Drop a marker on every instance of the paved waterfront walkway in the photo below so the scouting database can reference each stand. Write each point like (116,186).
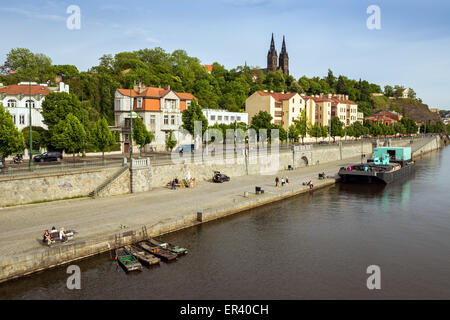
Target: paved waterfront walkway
(21,227)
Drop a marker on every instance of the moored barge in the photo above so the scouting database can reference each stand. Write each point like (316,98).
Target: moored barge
(388,164)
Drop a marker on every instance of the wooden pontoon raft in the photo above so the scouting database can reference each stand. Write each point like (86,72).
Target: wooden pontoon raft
(142,255)
(157,250)
(127,260)
(172,248)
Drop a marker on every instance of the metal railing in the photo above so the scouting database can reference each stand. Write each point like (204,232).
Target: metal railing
(38,169)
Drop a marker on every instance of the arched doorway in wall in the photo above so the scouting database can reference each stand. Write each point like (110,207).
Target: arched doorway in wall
(304,162)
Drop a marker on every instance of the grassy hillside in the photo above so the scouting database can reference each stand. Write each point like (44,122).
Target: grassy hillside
(410,108)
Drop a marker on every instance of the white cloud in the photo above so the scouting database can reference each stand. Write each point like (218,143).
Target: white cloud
(140,34)
(34,14)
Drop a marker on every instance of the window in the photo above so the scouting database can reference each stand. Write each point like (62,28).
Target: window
(172,120)
(28,102)
(238,118)
(232,118)
(139,103)
(171,104)
(166,119)
(219,118)
(226,118)
(213,118)
(293,110)
(152,119)
(14,118)
(22,119)
(188,103)
(12,103)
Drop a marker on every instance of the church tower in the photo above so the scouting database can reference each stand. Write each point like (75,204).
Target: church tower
(284,59)
(272,57)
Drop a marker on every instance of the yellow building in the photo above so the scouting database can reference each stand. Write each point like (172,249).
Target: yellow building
(283,107)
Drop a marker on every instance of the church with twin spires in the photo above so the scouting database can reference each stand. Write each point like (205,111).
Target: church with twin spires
(273,62)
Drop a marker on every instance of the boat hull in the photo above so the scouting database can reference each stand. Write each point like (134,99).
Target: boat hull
(375,177)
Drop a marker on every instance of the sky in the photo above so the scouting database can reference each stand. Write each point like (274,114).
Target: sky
(412,48)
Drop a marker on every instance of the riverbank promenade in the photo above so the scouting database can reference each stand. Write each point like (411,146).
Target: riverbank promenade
(21,227)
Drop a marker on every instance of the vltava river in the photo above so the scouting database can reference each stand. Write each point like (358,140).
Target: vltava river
(315,246)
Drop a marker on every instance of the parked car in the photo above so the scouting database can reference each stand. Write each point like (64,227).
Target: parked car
(220,178)
(48,156)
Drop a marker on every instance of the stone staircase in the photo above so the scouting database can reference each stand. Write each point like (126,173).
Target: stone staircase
(110,180)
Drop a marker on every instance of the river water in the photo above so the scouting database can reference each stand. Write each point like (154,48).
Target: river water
(314,246)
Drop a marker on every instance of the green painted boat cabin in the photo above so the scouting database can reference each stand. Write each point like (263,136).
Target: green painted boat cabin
(382,155)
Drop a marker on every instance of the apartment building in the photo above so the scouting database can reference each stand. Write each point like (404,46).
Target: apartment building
(17,99)
(283,107)
(159,108)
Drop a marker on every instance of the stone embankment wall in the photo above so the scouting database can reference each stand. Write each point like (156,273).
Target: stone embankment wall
(53,186)
(142,176)
(433,144)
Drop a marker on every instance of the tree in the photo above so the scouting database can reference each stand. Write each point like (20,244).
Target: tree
(410,125)
(336,128)
(262,120)
(171,142)
(388,91)
(101,137)
(11,140)
(293,132)
(399,128)
(28,66)
(315,131)
(302,125)
(69,135)
(191,115)
(140,133)
(58,105)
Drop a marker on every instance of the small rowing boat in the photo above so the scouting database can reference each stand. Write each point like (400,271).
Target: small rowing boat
(127,260)
(142,255)
(157,250)
(172,248)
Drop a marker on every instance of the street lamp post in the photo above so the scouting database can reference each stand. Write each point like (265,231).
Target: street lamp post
(82,119)
(30,165)
(131,124)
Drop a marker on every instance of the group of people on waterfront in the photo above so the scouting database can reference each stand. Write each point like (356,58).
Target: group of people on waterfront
(283,181)
(54,233)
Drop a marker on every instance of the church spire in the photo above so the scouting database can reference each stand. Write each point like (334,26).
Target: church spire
(283,47)
(284,58)
(272,57)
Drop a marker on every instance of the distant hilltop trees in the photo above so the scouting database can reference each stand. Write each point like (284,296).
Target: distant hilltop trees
(213,85)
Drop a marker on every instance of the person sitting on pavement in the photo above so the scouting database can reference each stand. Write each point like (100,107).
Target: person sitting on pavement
(46,238)
(62,234)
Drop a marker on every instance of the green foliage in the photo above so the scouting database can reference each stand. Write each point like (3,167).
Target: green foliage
(69,134)
(336,128)
(399,128)
(58,105)
(410,125)
(28,66)
(302,125)
(294,132)
(11,140)
(140,134)
(171,142)
(101,137)
(262,120)
(191,115)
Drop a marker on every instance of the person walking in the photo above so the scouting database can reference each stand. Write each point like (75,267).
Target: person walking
(287,180)
(173,184)
(277,182)
(282,182)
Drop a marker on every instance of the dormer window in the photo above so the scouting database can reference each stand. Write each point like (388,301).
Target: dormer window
(12,103)
(29,103)
(139,103)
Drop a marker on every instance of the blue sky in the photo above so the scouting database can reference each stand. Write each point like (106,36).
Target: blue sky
(411,49)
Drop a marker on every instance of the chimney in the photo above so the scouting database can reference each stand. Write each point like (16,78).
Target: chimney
(329,96)
(167,87)
(265,91)
(135,86)
(282,92)
(321,95)
(271,91)
(346,97)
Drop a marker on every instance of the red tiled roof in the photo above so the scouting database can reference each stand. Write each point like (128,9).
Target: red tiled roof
(151,92)
(185,96)
(15,89)
(278,96)
(321,99)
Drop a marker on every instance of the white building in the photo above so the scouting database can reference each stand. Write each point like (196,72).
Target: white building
(159,108)
(224,117)
(16,99)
